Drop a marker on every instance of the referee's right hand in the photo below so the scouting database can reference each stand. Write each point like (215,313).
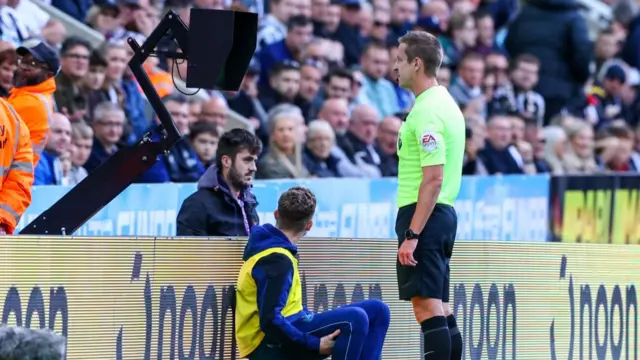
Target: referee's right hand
(405,252)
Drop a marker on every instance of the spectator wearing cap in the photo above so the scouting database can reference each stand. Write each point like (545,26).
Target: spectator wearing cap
(299,34)
(608,95)
(12,29)
(32,97)
(74,66)
(348,31)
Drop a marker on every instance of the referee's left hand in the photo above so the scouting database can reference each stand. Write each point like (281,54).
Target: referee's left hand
(405,253)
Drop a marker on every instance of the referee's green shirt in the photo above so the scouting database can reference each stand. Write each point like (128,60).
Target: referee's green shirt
(432,134)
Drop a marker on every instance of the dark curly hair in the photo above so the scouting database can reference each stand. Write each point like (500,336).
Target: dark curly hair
(296,207)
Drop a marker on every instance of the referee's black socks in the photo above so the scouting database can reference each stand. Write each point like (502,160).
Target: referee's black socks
(456,338)
(437,341)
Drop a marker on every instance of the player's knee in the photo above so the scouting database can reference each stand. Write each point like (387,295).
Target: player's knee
(358,320)
(446,308)
(425,308)
(381,312)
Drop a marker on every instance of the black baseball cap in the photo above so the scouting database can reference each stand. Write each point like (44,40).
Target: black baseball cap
(42,52)
(616,72)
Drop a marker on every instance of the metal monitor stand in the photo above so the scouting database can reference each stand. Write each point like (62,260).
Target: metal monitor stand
(113,176)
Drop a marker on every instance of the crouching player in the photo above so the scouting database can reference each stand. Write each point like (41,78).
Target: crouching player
(271,322)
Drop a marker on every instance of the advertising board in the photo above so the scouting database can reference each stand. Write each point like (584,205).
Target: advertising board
(118,298)
(489,208)
(595,209)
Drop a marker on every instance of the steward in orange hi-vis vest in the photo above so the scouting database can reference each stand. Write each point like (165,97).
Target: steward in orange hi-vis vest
(32,97)
(16,168)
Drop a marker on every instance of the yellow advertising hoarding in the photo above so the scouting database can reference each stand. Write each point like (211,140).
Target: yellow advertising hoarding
(139,299)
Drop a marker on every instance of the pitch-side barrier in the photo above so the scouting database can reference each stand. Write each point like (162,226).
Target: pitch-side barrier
(164,298)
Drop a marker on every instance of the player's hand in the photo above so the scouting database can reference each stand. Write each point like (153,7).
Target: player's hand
(405,253)
(328,342)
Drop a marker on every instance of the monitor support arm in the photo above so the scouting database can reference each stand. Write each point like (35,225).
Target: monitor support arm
(113,176)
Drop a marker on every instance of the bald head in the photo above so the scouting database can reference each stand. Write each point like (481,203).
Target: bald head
(388,134)
(334,111)
(364,123)
(59,134)
(215,110)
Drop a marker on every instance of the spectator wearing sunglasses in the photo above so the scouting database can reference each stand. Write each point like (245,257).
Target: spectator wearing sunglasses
(32,97)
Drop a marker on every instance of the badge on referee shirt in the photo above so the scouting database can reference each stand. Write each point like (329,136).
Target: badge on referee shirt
(429,141)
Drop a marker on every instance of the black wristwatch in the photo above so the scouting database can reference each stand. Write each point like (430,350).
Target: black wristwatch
(410,235)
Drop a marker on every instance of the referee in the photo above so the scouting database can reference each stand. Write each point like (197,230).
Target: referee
(430,149)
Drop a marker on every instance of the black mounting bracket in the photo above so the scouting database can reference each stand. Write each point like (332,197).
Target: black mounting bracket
(113,176)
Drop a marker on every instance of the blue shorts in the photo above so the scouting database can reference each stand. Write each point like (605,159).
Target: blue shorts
(430,277)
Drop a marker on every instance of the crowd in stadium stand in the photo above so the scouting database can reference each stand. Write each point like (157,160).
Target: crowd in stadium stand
(539,94)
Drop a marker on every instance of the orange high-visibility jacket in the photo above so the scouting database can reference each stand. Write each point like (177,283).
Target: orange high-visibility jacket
(16,167)
(34,104)
(162,81)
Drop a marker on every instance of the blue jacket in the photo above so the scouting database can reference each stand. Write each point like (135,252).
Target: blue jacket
(631,51)
(181,164)
(271,55)
(48,171)
(77,9)
(98,155)
(134,107)
(213,211)
(273,275)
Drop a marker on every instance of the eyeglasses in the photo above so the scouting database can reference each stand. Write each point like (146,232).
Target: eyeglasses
(77,56)
(31,63)
(377,23)
(110,123)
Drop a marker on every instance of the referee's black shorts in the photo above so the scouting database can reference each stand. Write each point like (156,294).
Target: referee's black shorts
(430,277)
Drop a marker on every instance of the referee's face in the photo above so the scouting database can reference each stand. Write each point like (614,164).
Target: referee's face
(402,70)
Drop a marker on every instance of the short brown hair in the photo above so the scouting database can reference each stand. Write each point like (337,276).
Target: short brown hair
(525,58)
(424,46)
(295,209)
(620,131)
